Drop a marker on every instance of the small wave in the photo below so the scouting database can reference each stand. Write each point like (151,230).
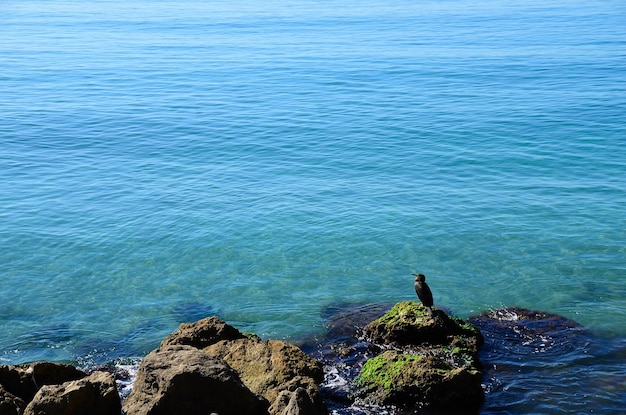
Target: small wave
(125,384)
(124,370)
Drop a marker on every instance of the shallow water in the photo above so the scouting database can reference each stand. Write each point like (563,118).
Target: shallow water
(163,162)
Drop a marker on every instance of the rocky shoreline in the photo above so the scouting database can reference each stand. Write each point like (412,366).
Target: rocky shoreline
(396,360)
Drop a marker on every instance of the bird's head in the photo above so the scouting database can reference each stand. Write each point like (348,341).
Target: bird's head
(420,277)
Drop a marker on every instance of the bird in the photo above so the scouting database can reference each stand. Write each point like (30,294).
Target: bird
(423,292)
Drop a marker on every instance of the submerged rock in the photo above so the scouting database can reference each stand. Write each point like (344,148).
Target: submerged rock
(429,361)
(345,321)
(192,311)
(527,326)
(93,395)
(182,379)
(548,356)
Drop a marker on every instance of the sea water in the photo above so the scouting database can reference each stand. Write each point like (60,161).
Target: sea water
(165,161)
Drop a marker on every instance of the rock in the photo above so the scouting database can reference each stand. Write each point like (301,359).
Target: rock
(93,395)
(297,402)
(268,368)
(202,333)
(182,379)
(395,378)
(276,370)
(10,404)
(409,324)
(434,361)
(25,380)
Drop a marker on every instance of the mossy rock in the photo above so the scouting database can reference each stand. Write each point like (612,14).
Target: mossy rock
(433,360)
(408,323)
(401,379)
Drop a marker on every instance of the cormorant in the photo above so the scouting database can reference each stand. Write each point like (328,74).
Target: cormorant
(423,292)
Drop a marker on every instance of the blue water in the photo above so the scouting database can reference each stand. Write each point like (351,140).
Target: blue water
(164,161)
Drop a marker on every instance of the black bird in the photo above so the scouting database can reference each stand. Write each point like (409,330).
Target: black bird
(423,292)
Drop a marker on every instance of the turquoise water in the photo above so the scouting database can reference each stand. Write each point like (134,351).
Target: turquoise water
(161,162)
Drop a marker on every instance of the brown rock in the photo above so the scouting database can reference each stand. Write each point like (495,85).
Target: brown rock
(296,402)
(202,333)
(25,380)
(10,404)
(272,367)
(93,395)
(181,379)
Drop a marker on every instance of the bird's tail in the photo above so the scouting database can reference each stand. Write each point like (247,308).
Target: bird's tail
(430,311)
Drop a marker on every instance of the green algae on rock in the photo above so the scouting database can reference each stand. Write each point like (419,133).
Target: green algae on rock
(431,360)
(395,378)
(384,369)
(409,324)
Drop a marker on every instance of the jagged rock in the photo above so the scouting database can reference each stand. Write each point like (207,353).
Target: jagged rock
(184,380)
(297,402)
(10,404)
(268,368)
(434,361)
(25,380)
(275,370)
(202,333)
(93,395)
